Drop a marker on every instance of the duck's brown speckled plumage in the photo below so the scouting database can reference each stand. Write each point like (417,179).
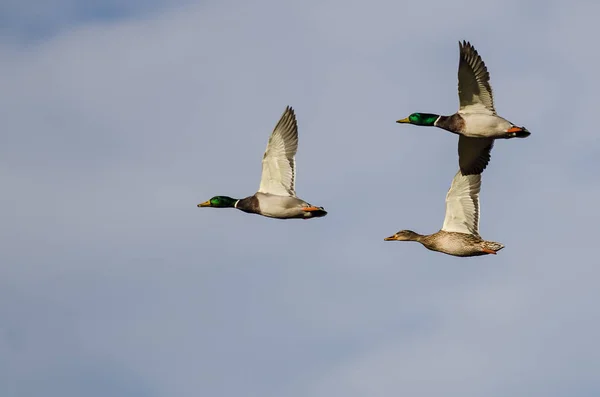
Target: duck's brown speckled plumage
(451,243)
(458,244)
(459,235)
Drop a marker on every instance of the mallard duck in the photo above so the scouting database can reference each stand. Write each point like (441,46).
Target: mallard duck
(476,121)
(276,196)
(459,235)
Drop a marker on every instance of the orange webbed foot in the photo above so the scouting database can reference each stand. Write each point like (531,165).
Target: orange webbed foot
(310,209)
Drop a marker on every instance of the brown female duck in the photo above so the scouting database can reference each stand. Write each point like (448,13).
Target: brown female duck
(459,235)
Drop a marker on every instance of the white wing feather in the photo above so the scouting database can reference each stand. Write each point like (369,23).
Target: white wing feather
(462,204)
(279,163)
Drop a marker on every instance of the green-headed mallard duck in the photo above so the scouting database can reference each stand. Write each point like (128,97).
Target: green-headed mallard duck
(276,196)
(459,235)
(476,121)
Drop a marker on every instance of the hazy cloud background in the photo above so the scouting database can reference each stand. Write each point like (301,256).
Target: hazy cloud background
(116,120)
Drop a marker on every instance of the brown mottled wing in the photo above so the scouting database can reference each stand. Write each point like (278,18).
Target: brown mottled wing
(462,205)
(279,163)
(474,154)
(474,89)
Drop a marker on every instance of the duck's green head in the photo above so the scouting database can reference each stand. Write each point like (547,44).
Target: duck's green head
(219,202)
(424,119)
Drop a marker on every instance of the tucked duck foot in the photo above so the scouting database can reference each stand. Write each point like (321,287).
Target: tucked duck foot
(518,132)
(313,212)
(311,209)
(488,251)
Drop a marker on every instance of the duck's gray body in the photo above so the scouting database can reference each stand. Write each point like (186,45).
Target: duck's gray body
(274,206)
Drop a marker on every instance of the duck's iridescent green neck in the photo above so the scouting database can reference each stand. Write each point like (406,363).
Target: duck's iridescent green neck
(424,119)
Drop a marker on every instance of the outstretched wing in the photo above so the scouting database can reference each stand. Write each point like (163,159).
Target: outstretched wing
(474,154)
(462,204)
(474,90)
(279,163)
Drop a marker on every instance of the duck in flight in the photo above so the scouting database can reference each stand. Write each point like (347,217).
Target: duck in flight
(459,235)
(276,196)
(476,121)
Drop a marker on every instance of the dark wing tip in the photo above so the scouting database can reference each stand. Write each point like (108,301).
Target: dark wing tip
(289,109)
(475,170)
(288,126)
(287,122)
(467,49)
(289,114)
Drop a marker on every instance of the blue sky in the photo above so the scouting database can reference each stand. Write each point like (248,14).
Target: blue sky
(117,121)
(38,19)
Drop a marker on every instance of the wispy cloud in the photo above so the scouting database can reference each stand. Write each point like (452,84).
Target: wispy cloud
(112,281)
(36,19)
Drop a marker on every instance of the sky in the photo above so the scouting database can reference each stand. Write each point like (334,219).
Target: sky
(116,120)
